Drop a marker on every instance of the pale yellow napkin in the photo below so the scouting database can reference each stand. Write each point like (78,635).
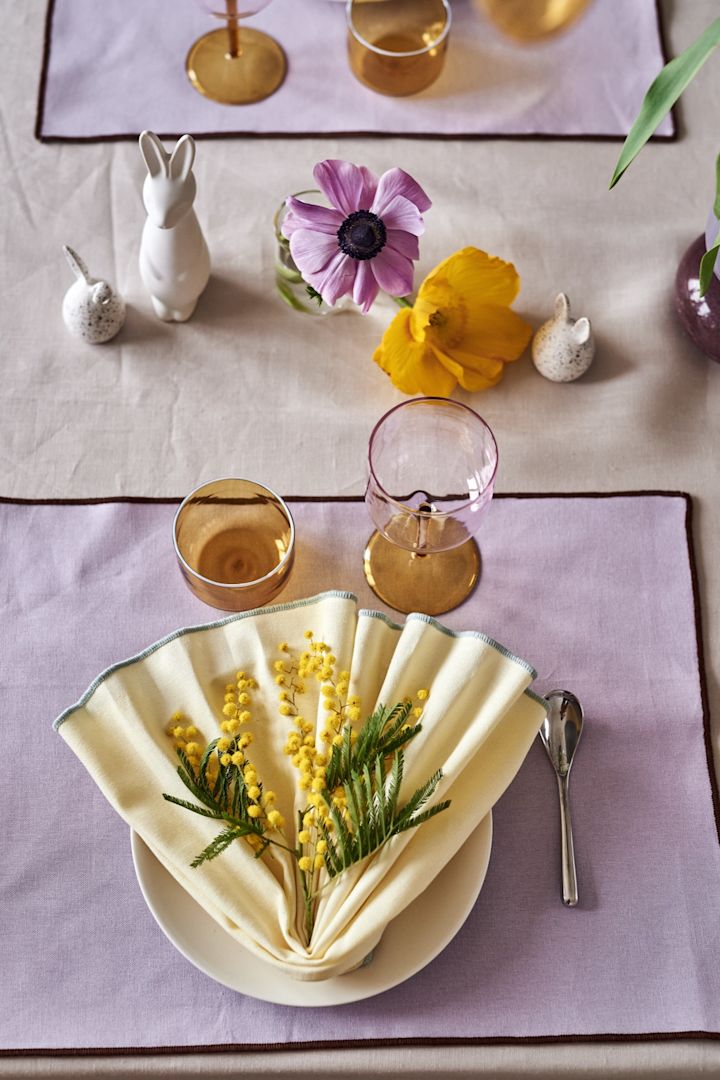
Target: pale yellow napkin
(478,724)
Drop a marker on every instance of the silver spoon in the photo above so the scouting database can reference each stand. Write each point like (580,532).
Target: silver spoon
(560,734)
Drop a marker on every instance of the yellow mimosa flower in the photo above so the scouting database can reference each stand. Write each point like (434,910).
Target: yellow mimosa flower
(459,330)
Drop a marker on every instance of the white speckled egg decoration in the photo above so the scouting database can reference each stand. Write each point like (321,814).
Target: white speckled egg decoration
(91,309)
(563,348)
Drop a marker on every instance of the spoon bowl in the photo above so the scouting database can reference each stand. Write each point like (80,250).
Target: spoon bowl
(560,734)
(562,728)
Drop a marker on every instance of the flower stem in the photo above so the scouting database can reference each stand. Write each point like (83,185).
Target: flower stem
(309,908)
(403,301)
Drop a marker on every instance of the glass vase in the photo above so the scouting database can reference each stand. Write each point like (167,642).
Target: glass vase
(699,315)
(289,282)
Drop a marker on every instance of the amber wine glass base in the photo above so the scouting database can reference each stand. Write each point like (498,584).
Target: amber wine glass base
(255,73)
(431,584)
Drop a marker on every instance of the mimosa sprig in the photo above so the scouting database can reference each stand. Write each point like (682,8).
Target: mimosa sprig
(224,780)
(352,773)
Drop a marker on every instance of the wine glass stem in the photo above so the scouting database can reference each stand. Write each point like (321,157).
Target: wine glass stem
(423,526)
(233,29)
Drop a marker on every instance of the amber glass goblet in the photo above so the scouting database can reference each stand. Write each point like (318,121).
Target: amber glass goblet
(236,65)
(431,473)
(235,543)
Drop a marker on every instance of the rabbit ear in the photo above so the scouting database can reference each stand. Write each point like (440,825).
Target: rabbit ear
(581,330)
(562,306)
(153,153)
(182,158)
(76,264)
(101,293)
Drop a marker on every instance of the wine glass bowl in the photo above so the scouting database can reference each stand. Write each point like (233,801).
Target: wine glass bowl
(235,65)
(431,473)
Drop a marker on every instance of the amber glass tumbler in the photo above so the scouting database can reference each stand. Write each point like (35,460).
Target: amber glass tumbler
(235,543)
(397,47)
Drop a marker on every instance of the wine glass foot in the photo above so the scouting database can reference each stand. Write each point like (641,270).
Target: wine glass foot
(431,584)
(255,73)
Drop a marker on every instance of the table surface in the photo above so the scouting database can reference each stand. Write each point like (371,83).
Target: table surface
(252,388)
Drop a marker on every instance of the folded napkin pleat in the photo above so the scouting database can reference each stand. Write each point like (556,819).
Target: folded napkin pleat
(478,722)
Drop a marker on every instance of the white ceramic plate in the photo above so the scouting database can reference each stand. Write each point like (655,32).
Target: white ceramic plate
(410,941)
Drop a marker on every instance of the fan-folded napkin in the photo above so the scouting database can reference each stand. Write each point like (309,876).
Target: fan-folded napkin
(478,724)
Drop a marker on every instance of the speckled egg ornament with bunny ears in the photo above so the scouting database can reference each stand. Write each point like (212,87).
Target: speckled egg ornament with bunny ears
(563,348)
(91,309)
(174,259)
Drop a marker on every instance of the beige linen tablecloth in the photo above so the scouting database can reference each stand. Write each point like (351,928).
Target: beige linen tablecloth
(250,388)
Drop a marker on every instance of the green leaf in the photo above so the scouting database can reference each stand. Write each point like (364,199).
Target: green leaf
(219,791)
(353,808)
(216,846)
(205,761)
(185,762)
(400,740)
(380,796)
(199,793)
(664,92)
(707,265)
(420,797)
(425,816)
(716,204)
(332,859)
(239,803)
(191,806)
(314,295)
(371,808)
(392,789)
(344,839)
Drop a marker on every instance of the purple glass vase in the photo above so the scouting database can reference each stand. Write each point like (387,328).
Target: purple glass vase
(700,315)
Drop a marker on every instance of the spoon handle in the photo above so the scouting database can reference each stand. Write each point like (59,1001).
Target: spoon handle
(569,877)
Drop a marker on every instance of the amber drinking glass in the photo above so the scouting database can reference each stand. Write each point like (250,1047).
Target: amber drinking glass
(235,65)
(397,47)
(431,473)
(235,543)
(530,20)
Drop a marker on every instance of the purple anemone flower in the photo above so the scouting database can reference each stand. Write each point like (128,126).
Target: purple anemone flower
(366,240)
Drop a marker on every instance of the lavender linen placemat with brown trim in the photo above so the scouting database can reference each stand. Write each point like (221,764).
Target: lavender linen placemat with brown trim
(111,70)
(597,592)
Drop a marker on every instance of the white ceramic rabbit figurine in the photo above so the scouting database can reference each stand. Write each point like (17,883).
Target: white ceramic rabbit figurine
(91,310)
(174,259)
(563,348)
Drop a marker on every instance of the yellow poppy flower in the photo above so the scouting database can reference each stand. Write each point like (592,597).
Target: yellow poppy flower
(459,330)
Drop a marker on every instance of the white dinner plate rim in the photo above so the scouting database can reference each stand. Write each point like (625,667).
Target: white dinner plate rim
(195,933)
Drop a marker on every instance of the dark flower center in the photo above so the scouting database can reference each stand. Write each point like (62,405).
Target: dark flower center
(362,235)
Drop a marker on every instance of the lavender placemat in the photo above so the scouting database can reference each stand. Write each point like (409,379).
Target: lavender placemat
(112,69)
(597,592)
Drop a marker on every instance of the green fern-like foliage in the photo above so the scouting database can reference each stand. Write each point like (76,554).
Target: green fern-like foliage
(370,773)
(367,769)
(223,798)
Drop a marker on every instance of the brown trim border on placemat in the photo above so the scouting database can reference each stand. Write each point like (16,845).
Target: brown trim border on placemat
(477,136)
(354,1044)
